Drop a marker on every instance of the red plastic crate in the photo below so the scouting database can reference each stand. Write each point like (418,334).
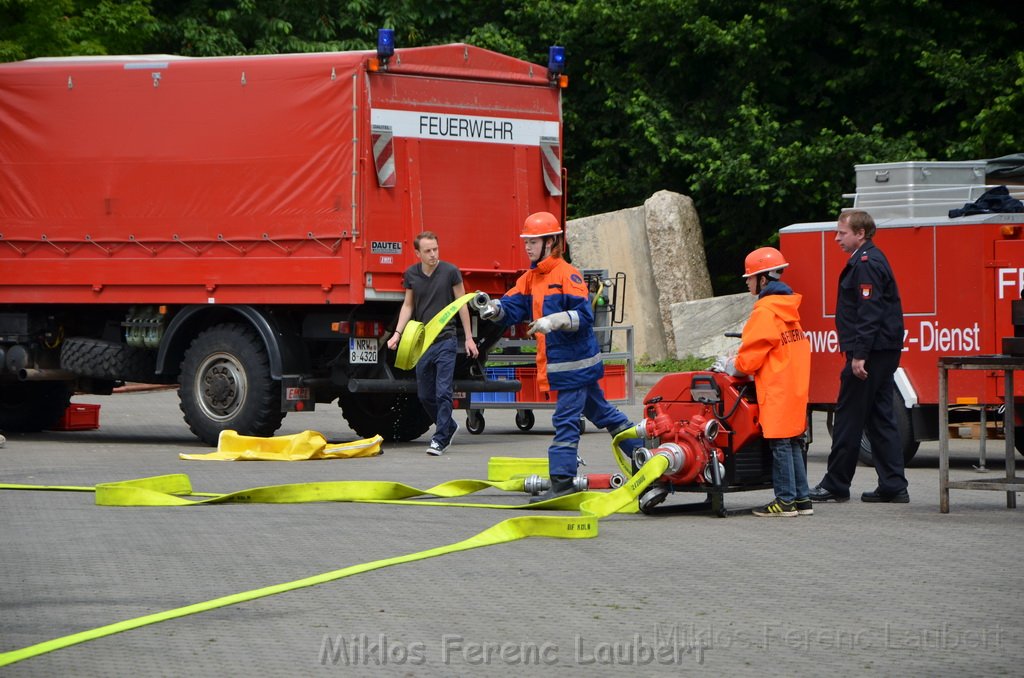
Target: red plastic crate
(530,391)
(527,377)
(614,382)
(78,417)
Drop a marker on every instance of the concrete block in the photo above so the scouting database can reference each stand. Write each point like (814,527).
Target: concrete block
(700,325)
(660,248)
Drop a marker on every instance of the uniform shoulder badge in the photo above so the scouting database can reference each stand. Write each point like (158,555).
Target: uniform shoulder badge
(865,291)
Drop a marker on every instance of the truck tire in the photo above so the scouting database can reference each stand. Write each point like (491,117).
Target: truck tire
(906,432)
(226,384)
(107,360)
(31,406)
(393,416)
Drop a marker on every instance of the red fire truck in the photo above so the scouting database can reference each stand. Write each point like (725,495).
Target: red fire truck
(240,225)
(957,277)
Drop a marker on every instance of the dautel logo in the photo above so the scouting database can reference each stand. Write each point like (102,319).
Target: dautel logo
(385,247)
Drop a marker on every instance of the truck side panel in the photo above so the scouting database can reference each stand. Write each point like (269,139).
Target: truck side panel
(956,280)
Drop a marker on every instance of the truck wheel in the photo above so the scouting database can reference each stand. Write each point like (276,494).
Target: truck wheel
(903,426)
(226,384)
(393,416)
(31,406)
(107,359)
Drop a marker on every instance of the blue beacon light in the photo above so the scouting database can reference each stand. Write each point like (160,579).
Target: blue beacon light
(385,43)
(556,60)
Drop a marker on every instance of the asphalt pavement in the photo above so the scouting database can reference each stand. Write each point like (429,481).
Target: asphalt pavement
(856,589)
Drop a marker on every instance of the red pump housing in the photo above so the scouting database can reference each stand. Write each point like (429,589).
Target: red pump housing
(698,418)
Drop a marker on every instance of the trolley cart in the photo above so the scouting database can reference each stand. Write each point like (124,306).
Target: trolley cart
(515,364)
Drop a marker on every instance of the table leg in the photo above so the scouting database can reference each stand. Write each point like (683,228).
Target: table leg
(943,442)
(1009,419)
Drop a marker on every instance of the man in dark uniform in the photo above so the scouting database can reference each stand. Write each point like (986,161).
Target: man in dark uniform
(869,321)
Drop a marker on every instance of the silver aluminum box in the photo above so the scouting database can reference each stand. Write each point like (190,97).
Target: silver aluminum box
(908,176)
(917,189)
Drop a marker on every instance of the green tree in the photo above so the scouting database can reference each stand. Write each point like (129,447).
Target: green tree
(758,110)
(218,27)
(34,28)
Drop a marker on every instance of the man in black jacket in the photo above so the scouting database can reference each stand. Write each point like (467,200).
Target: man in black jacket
(869,321)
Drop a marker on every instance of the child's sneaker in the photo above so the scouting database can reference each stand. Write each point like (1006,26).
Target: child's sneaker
(804,507)
(777,509)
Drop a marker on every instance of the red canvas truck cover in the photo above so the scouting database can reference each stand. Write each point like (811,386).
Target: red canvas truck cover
(284,179)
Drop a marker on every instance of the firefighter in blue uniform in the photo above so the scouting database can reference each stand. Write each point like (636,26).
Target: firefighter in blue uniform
(869,322)
(554,295)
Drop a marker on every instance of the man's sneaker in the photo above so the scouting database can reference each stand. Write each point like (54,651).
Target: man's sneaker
(777,509)
(804,507)
(438,449)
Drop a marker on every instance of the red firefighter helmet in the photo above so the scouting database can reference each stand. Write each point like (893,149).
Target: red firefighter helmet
(540,224)
(764,260)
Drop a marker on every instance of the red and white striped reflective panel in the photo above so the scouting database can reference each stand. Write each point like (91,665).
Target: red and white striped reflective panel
(384,155)
(551,165)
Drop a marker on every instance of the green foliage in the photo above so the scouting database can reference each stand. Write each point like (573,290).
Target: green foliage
(33,28)
(756,109)
(759,110)
(687,364)
(212,27)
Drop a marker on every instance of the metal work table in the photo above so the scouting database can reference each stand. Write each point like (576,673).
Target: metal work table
(1011,484)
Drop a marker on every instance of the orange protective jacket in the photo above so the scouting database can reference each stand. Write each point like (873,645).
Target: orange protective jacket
(776,352)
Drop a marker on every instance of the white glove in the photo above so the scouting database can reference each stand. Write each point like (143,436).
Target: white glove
(726,364)
(562,320)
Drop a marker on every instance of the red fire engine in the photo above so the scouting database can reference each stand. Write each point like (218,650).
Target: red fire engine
(956,276)
(240,225)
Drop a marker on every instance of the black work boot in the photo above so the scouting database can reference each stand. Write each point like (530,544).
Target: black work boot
(560,486)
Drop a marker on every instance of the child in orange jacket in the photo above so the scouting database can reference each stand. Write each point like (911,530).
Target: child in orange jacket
(775,351)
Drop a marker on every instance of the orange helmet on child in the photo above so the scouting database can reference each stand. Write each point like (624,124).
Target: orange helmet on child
(764,260)
(541,224)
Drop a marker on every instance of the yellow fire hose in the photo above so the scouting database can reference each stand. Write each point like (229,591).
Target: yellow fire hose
(170,490)
(620,459)
(231,446)
(417,336)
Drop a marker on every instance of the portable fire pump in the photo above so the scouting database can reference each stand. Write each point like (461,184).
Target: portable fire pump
(707,425)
